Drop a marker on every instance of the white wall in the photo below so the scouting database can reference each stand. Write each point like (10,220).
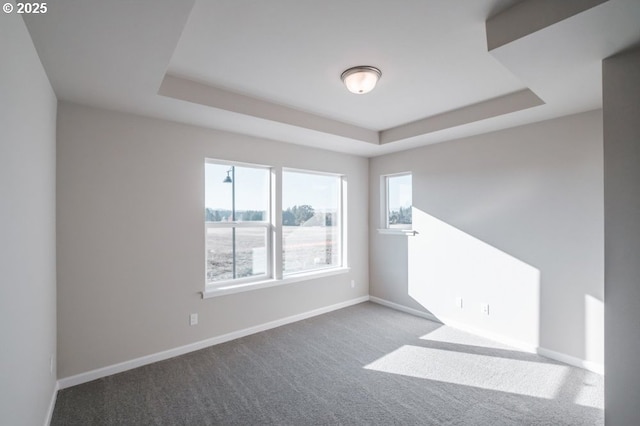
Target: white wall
(131,237)
(27,229)
(621,104)
(512,218)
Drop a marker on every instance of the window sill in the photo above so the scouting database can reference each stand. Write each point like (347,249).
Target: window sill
(408,232)
(239,288)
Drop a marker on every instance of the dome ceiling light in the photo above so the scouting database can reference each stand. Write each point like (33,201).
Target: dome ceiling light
(361,79)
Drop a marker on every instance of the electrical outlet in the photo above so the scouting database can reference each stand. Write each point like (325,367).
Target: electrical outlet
(353,283)
(193,319)
(459,302)
(485,308)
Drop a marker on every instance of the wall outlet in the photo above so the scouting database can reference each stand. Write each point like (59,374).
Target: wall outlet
(353,283)
(459,302)
(484,308)
(193,319)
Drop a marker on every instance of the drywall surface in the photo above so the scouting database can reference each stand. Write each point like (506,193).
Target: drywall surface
(621,106)
(27,227)
(131,237)
(512,219)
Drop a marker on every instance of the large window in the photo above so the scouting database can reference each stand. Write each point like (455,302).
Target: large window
(311,221)
(244,247)
(237,223)
(398,201)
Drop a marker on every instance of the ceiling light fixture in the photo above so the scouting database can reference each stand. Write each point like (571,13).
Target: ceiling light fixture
(361,79)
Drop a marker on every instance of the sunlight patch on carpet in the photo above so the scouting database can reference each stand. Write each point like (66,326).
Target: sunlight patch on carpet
(514,376)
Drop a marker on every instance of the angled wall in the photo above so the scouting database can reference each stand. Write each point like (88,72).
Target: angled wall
(27,229)
(621,105)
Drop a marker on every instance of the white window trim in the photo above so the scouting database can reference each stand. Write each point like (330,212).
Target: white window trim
(235,287)
(391,231)
(384,208)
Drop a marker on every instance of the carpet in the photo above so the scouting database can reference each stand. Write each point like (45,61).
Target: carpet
(362,365)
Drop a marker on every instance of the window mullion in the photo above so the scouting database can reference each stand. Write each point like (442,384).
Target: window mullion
(276,221)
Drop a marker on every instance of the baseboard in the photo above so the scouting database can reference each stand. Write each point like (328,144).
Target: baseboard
(571,360)
(403,308)
(52,404)
(454,324)
(514,343)
(181,350)
(523,346)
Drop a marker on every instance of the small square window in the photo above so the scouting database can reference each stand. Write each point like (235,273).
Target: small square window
(397,201)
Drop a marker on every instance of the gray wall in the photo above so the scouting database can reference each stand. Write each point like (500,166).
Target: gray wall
(131,237)
(27,229)
(621,105)
(512,218)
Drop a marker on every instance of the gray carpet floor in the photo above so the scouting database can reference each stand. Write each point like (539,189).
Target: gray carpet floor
(365,364)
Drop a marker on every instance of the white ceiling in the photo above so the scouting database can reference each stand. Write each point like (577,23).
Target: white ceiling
(271,69)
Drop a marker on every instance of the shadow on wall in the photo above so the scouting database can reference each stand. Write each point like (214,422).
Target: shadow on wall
(446,265)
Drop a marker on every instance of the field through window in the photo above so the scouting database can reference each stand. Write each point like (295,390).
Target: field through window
(311,219)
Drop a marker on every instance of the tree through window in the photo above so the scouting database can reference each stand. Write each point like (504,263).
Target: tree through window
(398,201)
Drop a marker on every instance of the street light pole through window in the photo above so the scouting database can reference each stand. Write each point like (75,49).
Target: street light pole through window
(232,181)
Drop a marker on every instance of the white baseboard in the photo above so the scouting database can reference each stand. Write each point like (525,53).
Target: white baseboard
(571,360)
(523,346)
(161,356)
(517,344)
(454,324)
(52,404)
(403,308)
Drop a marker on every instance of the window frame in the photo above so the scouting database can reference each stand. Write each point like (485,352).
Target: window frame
(341,211)
(385,228)
(235,224)
(274,236)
